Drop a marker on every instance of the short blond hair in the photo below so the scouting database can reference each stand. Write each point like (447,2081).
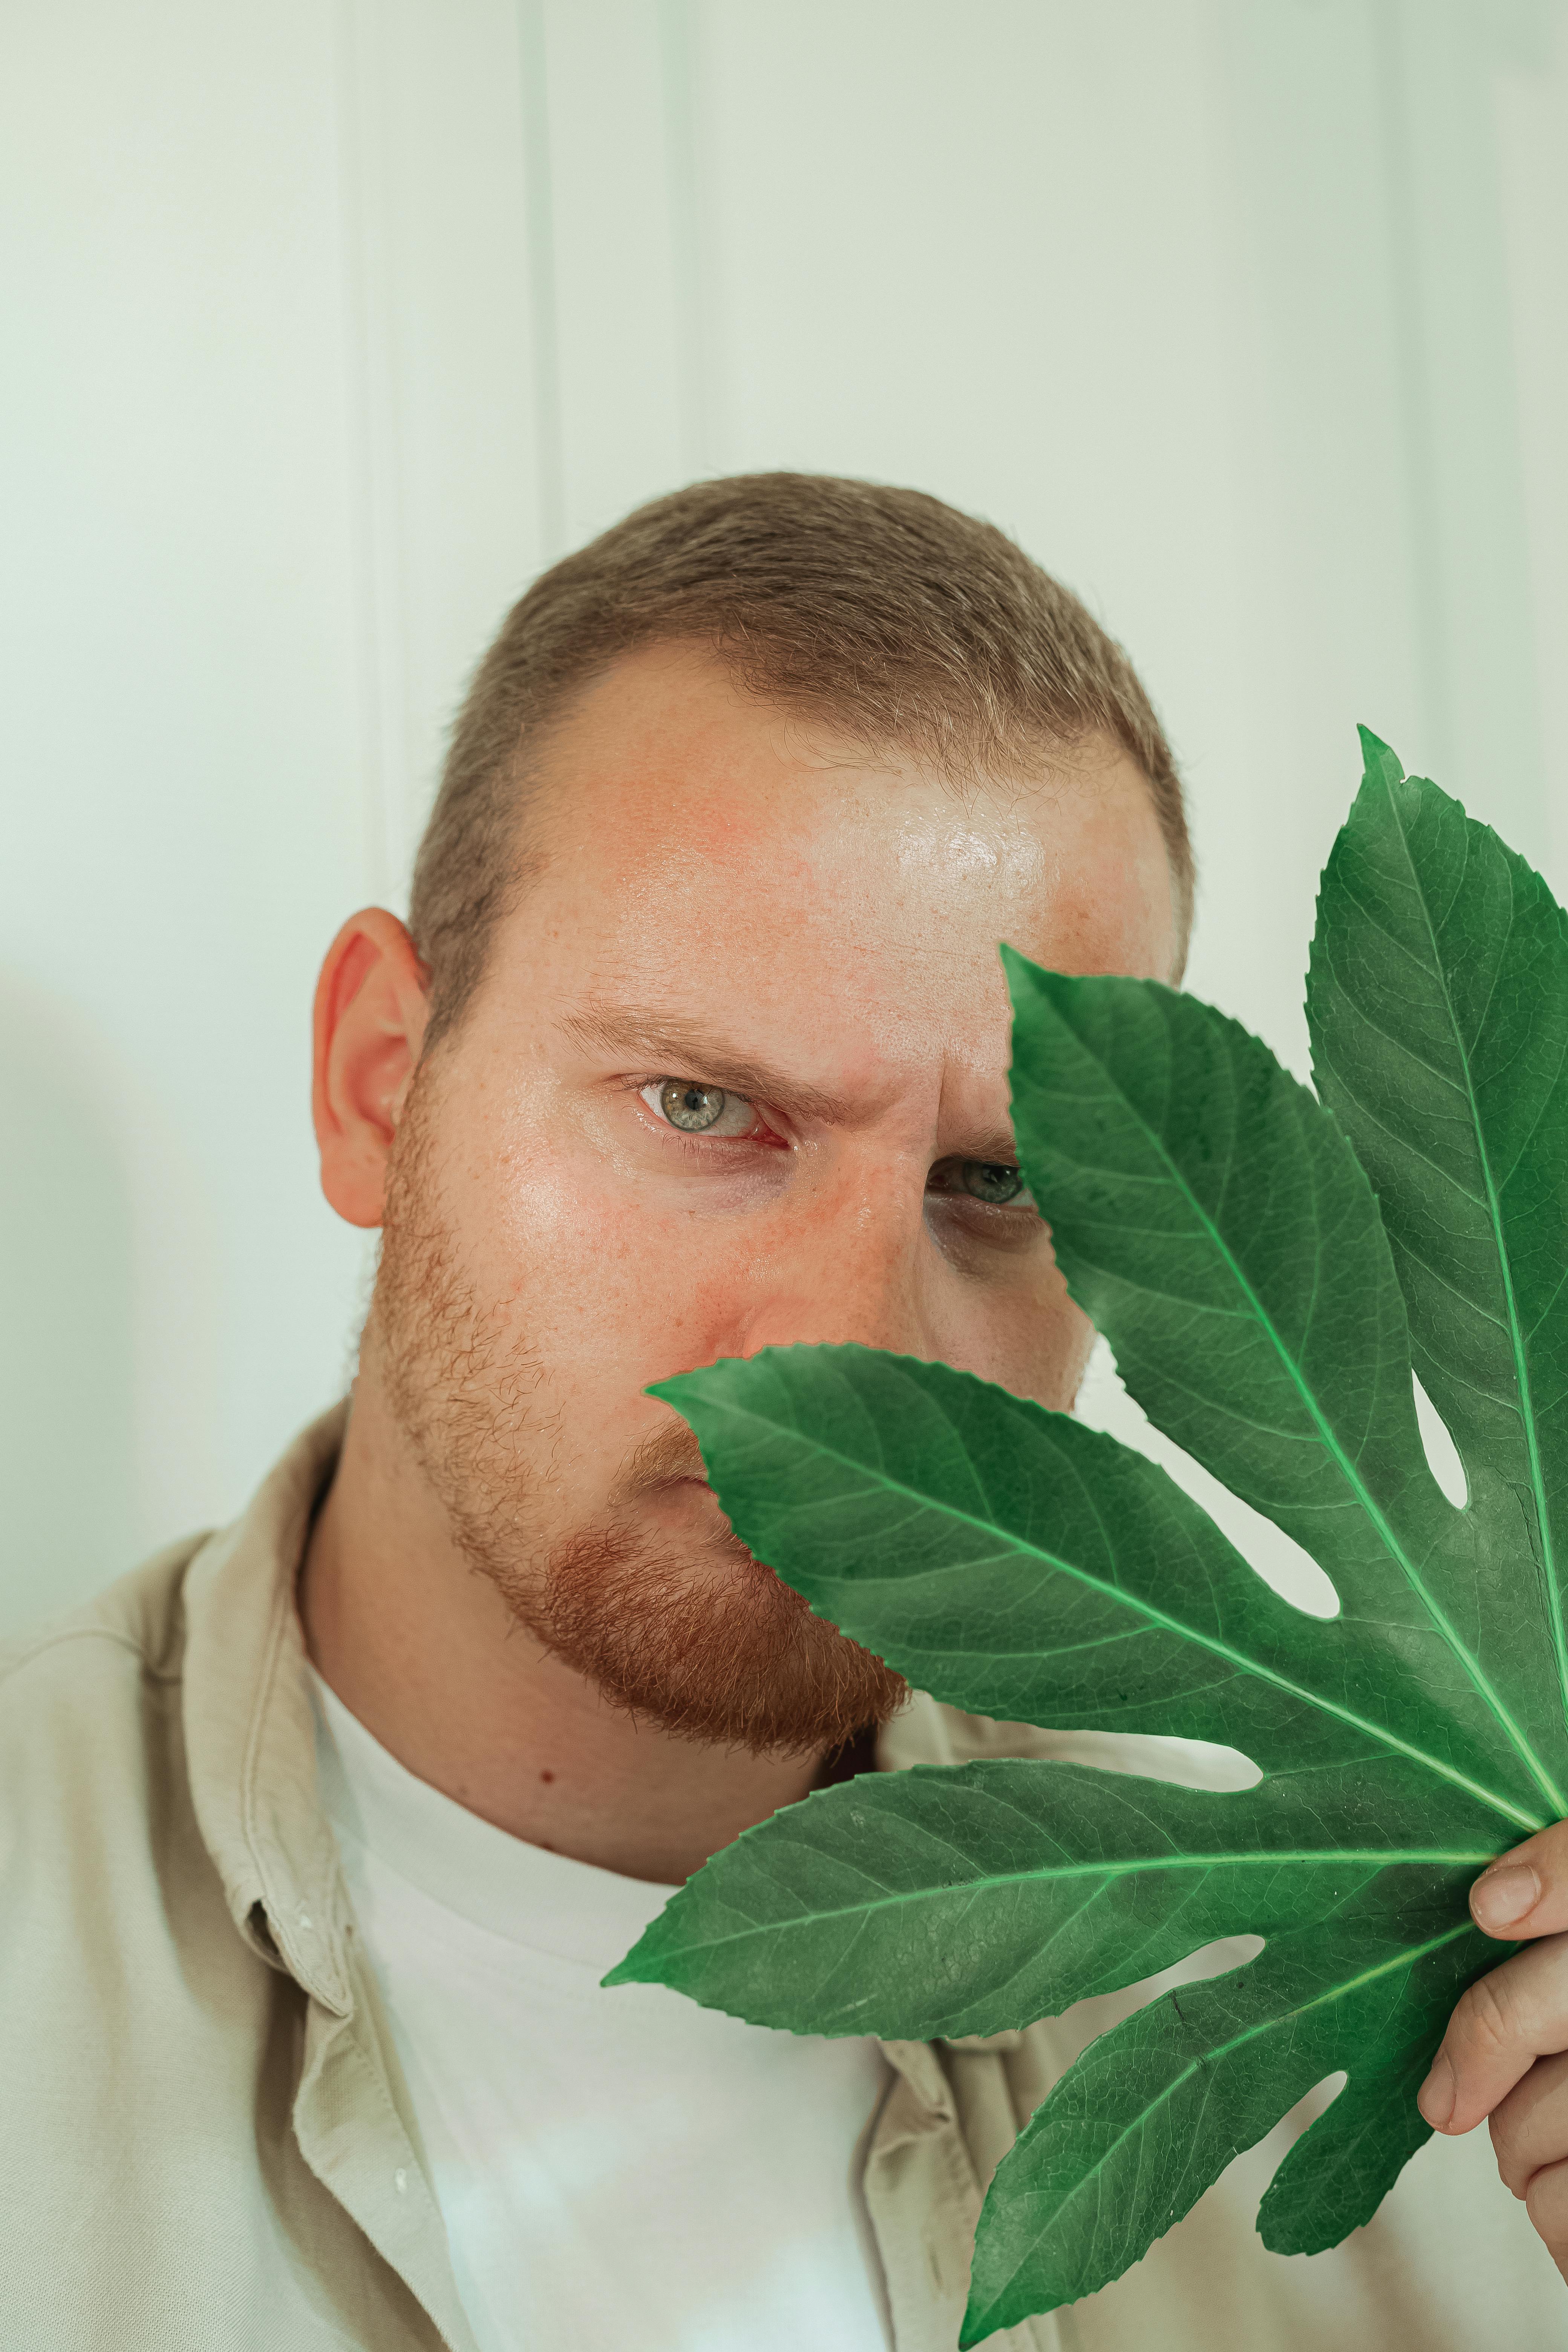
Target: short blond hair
(893,616)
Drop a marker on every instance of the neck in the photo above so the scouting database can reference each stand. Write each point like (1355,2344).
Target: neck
(425,1652)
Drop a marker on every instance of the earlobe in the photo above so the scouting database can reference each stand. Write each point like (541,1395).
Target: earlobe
(372,1005)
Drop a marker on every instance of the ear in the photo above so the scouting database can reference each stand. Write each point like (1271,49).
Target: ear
(372,1005)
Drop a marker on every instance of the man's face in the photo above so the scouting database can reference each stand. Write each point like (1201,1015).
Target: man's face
(733,1080)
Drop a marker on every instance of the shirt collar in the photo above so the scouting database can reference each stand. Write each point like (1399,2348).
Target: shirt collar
(249,1736)
(250,1732)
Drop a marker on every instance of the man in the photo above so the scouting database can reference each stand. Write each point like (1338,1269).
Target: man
(321,1832)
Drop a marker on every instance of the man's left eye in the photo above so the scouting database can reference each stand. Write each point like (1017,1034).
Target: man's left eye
(989,1180)
(697,1109)
(995,1180)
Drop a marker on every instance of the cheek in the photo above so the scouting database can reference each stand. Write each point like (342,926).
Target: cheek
(1032,1339)
(605,1290)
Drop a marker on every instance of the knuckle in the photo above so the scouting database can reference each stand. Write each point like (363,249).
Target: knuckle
(1547,1854)
(1487,2020)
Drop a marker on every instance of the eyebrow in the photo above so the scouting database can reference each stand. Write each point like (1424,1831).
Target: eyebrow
(994,1150)
(689,1049)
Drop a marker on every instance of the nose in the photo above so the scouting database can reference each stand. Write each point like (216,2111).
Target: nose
(853,1271)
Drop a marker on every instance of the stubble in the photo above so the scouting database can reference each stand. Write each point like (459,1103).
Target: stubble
(693,1633)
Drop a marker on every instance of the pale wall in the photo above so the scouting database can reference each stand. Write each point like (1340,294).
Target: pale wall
(327,327)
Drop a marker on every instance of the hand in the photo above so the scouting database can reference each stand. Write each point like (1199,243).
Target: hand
(1505,2053)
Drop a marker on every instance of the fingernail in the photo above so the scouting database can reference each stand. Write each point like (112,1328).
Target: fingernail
(1436,2096)
(1501,1897)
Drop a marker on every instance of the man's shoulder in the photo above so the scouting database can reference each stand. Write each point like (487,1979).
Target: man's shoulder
(128,1638)
(95,1804)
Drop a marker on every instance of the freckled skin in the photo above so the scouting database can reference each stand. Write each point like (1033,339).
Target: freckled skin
(713,875)
(717,863)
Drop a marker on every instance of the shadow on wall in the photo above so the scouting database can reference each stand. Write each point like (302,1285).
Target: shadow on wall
(66,1398)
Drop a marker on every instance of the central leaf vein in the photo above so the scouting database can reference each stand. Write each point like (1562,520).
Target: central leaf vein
(1364,1496)
(1239,1658)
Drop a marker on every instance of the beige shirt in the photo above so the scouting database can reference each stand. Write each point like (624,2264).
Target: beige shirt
(205,2139)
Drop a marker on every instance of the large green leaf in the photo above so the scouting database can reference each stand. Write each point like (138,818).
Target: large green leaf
(1438,1004)
(1264,1304)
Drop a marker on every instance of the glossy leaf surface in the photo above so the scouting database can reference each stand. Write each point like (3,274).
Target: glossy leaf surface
(1265,1306)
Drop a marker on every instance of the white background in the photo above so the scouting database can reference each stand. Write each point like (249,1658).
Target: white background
(326,327)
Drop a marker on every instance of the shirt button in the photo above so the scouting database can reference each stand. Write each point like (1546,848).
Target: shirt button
(400,2182)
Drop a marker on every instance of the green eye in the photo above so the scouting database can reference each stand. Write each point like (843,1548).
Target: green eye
(690,1106)
(693,1107)
(989,1180)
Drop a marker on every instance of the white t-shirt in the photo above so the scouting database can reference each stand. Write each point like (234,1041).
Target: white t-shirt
(615,2169)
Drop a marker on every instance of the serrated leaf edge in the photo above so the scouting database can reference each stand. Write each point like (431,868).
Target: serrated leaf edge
(973,2332)
(1377,1519)
(670,1390)
(1382,771)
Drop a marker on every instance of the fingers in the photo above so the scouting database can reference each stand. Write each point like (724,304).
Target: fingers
(1530,2137)
(1502,2025)
(1546,2202)
(1530,2127)
(1525,1893)
(1505,2052)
